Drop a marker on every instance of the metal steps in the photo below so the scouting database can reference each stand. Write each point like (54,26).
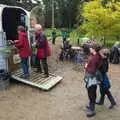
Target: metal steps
(37,79)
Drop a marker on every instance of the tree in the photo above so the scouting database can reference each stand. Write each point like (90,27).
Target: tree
(79,16)
(38,14)
(65,12)
(68,10)
(101,22)
(8,2)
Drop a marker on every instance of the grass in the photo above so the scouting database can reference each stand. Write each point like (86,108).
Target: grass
(49,31)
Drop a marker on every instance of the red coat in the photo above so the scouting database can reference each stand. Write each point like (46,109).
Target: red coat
(23,45)
(42,52)
(93,63)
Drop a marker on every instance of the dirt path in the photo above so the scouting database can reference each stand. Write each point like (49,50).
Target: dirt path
(66,101)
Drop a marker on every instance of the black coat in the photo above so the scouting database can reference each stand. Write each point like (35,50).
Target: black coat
(114,56)
(104,66)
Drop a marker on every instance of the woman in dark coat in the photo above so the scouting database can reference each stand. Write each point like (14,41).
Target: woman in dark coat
(115,54)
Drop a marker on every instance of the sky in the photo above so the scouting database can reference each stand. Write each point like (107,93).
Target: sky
(35,1)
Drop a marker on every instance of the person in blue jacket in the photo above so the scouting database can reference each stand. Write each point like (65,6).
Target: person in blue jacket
(105,84)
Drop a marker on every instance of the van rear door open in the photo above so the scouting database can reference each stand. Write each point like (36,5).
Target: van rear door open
(11,19)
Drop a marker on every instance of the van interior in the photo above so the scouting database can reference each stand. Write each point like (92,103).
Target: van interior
(11,19)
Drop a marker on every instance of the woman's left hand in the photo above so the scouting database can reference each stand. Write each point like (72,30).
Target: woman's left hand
(86,65)
(11,41)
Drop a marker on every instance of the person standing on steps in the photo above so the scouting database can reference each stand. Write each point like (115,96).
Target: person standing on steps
(43,50)
(24,49)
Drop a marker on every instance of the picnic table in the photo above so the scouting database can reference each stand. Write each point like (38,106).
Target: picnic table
(76,48)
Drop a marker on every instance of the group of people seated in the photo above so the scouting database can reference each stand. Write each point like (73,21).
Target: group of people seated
(67,53)
(71,53)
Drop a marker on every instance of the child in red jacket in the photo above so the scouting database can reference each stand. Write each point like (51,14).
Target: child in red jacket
(24,49)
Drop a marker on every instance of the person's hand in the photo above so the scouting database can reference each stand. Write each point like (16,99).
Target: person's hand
(34,44)
(16,41)
(86,65)
(11,41)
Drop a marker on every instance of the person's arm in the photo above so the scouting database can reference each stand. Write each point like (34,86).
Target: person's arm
(92,65)
(19,43)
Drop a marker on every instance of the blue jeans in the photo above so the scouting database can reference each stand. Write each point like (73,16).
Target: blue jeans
(25,66)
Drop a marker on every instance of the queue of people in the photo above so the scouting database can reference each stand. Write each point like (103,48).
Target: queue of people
(25,51)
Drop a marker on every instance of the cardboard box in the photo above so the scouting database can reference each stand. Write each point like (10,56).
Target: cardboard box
(12,65)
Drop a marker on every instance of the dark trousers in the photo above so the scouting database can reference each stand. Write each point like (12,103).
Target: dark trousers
(44,64)
(53,40)
(64,39)
(104,92)
(92,96)
(25,66)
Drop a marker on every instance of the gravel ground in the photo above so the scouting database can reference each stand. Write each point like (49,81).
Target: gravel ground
(66,101)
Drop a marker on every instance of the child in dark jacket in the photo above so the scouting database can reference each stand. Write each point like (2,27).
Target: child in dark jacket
(105,84)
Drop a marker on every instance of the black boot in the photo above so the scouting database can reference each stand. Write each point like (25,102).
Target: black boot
(38,70)
(112,106)
(112,101)
(99,103)
(45,67)
(91,110)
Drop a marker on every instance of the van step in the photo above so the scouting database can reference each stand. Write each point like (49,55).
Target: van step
(38,80)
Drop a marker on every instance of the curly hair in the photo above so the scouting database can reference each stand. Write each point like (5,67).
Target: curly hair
(96,46)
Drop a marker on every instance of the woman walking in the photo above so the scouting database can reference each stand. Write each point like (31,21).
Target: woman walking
(90,77)
(105,84)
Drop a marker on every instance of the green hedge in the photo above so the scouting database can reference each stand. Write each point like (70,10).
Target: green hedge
(48,32)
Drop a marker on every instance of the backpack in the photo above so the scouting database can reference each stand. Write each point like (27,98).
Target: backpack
(41,41)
